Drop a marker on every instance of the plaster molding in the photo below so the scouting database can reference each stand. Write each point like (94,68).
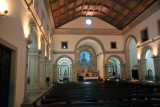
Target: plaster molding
(151,10)
(64,52)
(88,32)
(148,41)
(30,7)
(114,52)
(73,52)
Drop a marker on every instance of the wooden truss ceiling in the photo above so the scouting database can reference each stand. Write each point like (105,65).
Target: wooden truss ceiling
(118,13)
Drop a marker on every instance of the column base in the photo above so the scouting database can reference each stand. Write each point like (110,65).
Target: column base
(26,98)
(43,86)
(33,90)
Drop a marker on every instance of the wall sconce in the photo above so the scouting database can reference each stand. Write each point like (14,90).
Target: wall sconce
(155,52)
(3,13)
(3,8)
(138,56)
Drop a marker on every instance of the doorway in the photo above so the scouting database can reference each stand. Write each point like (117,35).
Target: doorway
(135,74)
(5,67)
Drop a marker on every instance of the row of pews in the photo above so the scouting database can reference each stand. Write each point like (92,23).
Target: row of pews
(107,94)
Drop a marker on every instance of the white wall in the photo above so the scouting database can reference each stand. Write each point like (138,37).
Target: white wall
(12,30)
(73,39)
(80,23)
(132,54)
(149,62)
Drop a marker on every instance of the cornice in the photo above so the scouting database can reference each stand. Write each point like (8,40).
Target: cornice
(63,52)
(29,6)
(73,52)
(88,31)
(114,52)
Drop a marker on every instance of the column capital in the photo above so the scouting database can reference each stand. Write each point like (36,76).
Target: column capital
(156,57)
(142,60)
(28,41)
(39,52)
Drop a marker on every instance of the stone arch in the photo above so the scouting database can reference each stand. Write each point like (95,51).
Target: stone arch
(127,55)
(92,38)
(147,63)
(127,41)
(120,72)
(144,50)
(116,56)
(58,69)
(63,57)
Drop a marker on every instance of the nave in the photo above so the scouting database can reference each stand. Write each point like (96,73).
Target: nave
(107,94)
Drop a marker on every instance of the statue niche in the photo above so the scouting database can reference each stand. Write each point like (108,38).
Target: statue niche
(84,66)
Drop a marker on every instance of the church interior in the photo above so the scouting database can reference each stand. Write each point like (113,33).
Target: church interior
(79,53)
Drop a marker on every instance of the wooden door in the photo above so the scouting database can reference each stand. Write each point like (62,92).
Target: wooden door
(5,62)
(135,74)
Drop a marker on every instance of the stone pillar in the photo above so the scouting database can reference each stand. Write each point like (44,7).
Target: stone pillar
(156,60)
(42,72)
(142,69)
(34,70)
(55,71)
(51,70)
(25,98)
(74,73)
(47,69)
(123,71)
(106,76)
(128,71)
(38,73)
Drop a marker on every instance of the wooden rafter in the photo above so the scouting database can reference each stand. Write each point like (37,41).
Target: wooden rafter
(130,12)
(113,4)
(101,7)
(82,7)
(122,9)
(74,11)
(58,13)
(88,6)
(66,10)
(95,7)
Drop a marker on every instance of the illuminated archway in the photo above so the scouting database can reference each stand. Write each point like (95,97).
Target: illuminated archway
(64,68)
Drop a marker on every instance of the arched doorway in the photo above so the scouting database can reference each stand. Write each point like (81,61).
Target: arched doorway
(148,64)
(131,55)
(64,69)
(95,49)
(114,69)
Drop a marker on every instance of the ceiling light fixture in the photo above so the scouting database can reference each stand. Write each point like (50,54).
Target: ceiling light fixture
(88,21)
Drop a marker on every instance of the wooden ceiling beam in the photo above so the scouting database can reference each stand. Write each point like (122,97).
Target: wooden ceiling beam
(95,7)
(101,7)
(82,7)
(66,10)
(139,4)
(74,9)
(122,5)
(88,6)
(113,4)
(58,12)
(122,9)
